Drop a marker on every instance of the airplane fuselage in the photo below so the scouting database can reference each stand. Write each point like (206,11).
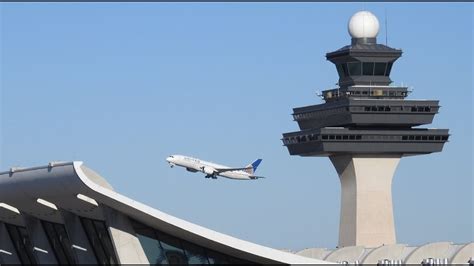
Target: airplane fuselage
(196,165)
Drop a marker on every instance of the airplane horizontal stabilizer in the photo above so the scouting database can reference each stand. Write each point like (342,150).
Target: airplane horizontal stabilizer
(256,177)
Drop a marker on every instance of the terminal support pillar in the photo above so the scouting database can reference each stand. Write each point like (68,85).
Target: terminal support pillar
(127,246)
(366,199)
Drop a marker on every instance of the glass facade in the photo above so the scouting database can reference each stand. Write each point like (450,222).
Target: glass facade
(355,68)
(389,68)
(368,68)
(161,248)
(345,70)
(365,68)
(59,241)
(340,71)
(379,69)
(99,239)
(22,243)
(351,138)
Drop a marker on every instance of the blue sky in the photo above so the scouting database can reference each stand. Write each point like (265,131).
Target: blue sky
(121,86)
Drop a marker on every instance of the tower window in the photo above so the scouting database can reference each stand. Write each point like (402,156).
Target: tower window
(389,68)
(380,69)
(341,71)
(344,69)
(368,69)
(355,68)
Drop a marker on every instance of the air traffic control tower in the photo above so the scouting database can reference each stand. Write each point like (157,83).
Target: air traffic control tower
(365,126)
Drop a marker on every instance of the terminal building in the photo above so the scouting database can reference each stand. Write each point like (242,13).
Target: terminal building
(66,213)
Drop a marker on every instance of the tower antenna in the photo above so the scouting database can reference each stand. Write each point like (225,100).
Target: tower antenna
(386,28)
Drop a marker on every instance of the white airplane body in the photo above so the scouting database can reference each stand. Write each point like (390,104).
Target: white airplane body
(212,170)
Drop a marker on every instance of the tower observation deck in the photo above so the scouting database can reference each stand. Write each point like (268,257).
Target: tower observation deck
(365,126)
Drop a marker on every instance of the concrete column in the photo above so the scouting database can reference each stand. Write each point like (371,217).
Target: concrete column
(126,244)
(42,250)
(366,199)
(82,250)
(8,253)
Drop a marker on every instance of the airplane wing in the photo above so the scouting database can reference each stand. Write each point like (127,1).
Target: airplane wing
(256,177)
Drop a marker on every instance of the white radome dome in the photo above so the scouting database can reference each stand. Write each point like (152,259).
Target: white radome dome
(363,24)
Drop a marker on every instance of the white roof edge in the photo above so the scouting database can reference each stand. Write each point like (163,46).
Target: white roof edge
(258,250)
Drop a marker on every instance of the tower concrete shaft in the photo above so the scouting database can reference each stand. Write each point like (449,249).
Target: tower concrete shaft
(366,199)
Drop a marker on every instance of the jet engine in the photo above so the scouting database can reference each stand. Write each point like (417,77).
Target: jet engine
(208,170)
(191,170)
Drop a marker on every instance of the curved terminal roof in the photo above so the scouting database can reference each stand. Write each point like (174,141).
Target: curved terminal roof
(316,253)
(389,252)
(43,191)
(397,254)
(346,254)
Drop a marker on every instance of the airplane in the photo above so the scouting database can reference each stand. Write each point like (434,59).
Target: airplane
(213,170)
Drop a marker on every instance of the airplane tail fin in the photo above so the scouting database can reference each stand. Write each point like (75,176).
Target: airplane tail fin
(251,168)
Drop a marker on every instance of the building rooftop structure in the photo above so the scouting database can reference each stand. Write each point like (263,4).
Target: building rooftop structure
(65,213)
(438,253)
